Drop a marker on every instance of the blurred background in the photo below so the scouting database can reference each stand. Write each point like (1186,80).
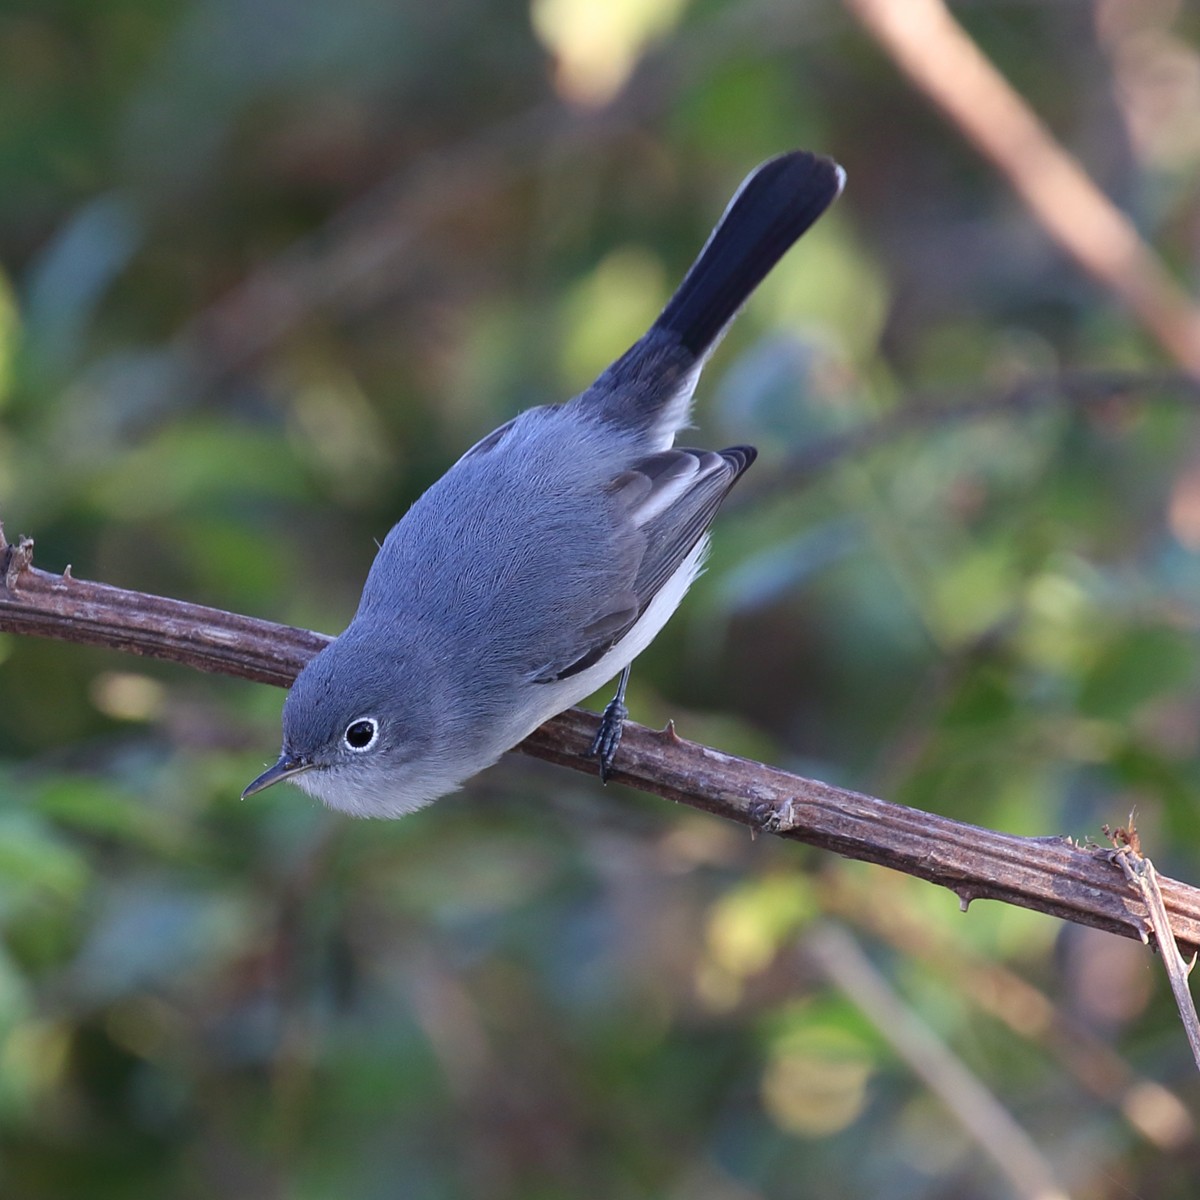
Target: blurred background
(267,269)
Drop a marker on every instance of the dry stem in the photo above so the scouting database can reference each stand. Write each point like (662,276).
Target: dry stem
(1051,875)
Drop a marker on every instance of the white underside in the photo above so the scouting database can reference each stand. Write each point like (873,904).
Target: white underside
(666,600)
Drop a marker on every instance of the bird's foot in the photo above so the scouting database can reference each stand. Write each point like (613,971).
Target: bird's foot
(608,736)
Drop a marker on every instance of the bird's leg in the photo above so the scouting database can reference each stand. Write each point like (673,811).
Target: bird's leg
(608,735)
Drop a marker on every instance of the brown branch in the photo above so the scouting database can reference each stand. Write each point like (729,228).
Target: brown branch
(940,59)
(38,604)
(1051,875)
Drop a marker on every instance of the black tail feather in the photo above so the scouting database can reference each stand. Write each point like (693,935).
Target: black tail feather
(774,206)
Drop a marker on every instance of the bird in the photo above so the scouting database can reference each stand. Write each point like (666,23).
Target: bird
(548,557)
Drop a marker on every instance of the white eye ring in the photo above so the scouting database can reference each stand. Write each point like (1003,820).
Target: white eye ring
(357,730)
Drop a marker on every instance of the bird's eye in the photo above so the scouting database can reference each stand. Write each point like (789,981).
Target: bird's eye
(361,734)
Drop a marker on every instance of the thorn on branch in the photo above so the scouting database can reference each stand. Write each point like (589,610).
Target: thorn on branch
(1125,835)
(773,816)
(17,560)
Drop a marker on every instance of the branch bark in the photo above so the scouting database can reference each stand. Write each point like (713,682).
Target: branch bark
(1051,875)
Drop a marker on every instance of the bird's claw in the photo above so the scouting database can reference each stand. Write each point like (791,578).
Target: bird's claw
(608,736)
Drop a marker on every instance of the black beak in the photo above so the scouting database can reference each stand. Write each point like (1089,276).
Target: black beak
(287,766)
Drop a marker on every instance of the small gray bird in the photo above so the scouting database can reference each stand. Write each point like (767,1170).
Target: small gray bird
(547,558)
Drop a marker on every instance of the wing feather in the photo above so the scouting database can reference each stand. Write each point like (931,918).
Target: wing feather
(667,501)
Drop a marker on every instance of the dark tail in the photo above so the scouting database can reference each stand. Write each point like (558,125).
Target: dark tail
(771,209)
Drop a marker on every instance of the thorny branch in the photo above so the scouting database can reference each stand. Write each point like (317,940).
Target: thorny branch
(1051,875)
(1144,879)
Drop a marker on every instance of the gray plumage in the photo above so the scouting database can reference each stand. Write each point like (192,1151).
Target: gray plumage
(548,557)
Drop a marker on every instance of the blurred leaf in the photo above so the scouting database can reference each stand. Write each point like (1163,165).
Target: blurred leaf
(1136,667)
(766,577)
(613,307)
(150,931)
(747,926)
(597,45)
(199,463)
(99,807)
(9,334)
(72,274)
(782,388)
(815,1079)
(33,860)
(974,593)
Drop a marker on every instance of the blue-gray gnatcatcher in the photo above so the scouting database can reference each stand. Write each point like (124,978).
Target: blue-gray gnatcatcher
(547,558)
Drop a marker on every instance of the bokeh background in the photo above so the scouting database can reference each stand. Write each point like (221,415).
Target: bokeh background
(266,270)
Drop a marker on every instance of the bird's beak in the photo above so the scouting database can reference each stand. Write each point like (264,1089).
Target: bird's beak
(287,766)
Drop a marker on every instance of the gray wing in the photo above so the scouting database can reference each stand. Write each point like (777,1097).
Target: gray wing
(667,501)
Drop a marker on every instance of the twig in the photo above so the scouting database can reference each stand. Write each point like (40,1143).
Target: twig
(940,58)
(883,907)
(1066,390)
(1051,875)
(841,960)
(1140,872)
(39,604)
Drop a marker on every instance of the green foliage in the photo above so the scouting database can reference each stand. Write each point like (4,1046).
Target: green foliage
(265,272)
